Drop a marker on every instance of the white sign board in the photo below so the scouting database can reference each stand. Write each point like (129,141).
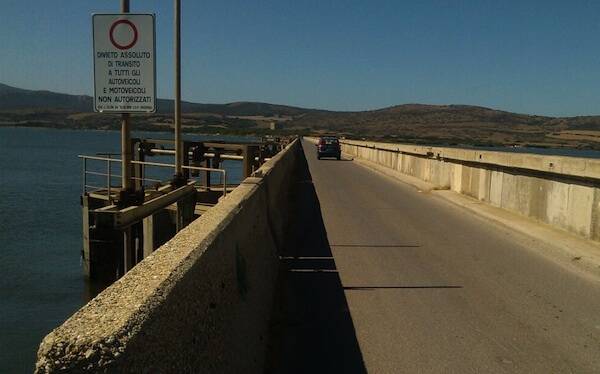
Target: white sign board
(124,63)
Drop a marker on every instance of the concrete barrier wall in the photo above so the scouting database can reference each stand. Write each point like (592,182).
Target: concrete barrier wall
(199,304)
(560,191)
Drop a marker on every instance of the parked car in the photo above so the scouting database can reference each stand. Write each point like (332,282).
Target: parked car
(329,146)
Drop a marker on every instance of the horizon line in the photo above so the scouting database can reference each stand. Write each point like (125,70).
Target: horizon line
(328,110)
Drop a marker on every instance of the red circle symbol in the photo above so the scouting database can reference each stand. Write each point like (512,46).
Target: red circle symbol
(133,29)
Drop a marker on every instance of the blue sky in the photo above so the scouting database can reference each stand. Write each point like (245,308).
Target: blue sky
(538,57)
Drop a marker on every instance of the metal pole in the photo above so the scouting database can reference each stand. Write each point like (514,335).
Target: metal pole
(84,175)
(108,177)
(125,134)
(126,169)
(178,143)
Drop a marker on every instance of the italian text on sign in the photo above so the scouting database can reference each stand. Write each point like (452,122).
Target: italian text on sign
(124,63)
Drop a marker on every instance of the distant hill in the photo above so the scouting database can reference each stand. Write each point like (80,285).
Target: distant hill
(414,123)
(424,115)
(12,98)
(18,98)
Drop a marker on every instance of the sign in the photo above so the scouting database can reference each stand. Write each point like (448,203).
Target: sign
(124,63)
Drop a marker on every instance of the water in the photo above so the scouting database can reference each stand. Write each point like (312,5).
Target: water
(41,278)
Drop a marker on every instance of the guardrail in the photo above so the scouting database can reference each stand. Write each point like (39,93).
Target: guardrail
(572,167)
(109,174)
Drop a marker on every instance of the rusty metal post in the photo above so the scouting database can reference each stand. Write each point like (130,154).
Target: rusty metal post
(207,181)
(246,163)
(249,152)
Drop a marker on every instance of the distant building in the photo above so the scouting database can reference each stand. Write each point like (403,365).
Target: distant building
(275,125)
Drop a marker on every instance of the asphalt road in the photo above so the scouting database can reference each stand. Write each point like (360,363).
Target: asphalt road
(422,286)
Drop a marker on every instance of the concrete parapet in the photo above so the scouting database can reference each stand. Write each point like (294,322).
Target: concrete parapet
(561,165)
(200,303)
(557,190)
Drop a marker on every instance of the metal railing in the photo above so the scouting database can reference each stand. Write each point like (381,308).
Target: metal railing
(198,168)
(109,174)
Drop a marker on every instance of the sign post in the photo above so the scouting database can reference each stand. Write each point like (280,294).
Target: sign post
(124,72)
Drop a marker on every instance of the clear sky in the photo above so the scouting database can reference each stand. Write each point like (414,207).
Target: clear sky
(538,57)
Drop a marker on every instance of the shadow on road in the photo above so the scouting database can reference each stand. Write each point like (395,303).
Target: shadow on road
(372,288)
(312,331)
(373,246)
(336,160)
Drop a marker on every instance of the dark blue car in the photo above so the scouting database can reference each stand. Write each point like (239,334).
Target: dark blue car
(329,146)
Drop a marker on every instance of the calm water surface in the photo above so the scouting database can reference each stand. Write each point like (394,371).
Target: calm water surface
(41,281)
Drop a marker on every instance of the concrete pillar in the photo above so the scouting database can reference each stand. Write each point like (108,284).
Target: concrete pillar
(128,250)
(148,234)
(86,235)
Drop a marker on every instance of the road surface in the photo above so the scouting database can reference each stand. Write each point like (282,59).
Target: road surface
(400,281)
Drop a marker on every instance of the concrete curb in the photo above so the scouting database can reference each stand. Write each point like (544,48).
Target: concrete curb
(413,181)
(564,248)
(569,201)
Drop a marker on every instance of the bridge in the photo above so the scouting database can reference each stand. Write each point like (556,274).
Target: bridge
(397,258)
